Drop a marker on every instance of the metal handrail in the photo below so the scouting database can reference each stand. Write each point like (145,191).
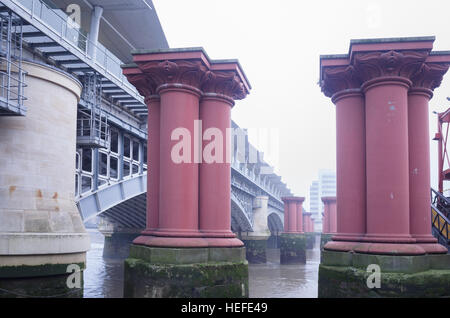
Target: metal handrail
(110,63)
(440,222)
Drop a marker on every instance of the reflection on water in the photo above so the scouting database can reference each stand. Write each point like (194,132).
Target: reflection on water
(103,277)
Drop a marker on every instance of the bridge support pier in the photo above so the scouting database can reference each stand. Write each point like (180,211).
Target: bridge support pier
(384,247)
(308,229)
(42,236)
(256,242)
(117,240)
(293,240)
(188,249)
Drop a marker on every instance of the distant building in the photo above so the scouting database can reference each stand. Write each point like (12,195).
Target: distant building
(324,187)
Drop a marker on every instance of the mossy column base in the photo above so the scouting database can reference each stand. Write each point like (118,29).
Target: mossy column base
(324,239)
(343,274)
(292,249)
(152,272)
(255,248)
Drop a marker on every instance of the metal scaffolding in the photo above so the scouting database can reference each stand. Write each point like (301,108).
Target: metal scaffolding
(12,76)
(92,124)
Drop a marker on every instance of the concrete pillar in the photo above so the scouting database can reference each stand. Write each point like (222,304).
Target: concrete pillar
(256,242)
(293,240)
(396,77)
(193,227)
(96,16)
(41,231)
(117,240)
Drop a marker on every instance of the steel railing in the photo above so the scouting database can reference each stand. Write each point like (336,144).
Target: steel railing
(440,211)
(68,30)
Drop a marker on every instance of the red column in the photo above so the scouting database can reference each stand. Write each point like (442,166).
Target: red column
(189,202)
(220,88)
(215,203)
(396,143)
(419,155)
(293,211)
(325,219)
(179,184)
(139,79)
(334,215)
(419,165)
(299,228)
(292,216)
(351,165)
(387,157)
(154,105)
(286,215)
(307,222)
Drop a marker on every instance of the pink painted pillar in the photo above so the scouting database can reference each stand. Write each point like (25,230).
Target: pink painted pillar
(286,215)
(351,165)
(220,88)
(215,177)
(189,201)
(334,216)
(292,228)
(326,218)
(307,222)
(179,181)
(419,154)
(387,153)
(177,224)
(153,120)
(139,79)
(293,210)
(299,202)
(419,165)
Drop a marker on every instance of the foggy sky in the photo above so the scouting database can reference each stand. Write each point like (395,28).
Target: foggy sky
(278,44)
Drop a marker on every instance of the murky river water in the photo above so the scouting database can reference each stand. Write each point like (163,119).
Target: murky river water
(104,277)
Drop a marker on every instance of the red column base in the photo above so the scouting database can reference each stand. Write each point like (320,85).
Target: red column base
(386,248)
(186,242)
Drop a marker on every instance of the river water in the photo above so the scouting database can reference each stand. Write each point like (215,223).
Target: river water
(103,277)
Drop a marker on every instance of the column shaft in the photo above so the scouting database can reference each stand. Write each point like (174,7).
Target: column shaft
(334,217)
(326,219)
(292,216)
(215,177)
(387,158)
(153,153)
(299,217)
(419,165)
(178,197)
(351,165)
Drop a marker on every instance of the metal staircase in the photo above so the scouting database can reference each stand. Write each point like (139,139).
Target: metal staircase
(440,213)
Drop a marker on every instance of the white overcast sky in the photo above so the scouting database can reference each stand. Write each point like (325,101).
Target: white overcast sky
(278,44)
